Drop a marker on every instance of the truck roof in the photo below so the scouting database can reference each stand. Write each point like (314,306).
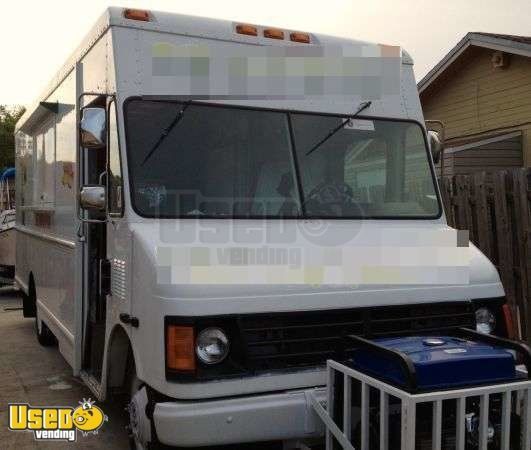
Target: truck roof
(184,25)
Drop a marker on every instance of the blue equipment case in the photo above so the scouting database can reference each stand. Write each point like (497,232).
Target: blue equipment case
(425,363)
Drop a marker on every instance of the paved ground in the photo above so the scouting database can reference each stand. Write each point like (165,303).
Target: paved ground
(30,373)
(39,376)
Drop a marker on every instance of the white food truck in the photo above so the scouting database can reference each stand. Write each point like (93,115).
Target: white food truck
(205,208)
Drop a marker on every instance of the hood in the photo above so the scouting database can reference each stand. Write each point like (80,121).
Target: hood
(219,267)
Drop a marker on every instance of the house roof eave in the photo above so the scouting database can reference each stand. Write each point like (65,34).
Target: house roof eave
(476,40)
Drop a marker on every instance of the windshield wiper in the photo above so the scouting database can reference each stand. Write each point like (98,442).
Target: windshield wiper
(361,107)
(166,132)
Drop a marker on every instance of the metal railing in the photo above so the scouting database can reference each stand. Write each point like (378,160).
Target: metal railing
(408,402)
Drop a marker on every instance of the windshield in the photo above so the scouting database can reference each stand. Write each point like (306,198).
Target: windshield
(221,161)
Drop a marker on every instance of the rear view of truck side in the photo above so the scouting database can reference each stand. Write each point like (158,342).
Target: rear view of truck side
(206,208)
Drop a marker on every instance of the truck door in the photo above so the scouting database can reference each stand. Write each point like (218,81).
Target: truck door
(103,232)
(93,233)
(105,236)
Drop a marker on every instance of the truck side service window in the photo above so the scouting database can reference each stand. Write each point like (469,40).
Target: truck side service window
(115,168)
(45,165)
(24,181)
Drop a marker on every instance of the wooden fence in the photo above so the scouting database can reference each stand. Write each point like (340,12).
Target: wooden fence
(495,208)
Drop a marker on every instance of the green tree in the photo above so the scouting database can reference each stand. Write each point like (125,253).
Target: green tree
(8,119)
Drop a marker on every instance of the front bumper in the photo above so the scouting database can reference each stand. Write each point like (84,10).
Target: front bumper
(282,416)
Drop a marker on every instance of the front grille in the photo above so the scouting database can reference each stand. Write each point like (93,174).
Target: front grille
(280,341)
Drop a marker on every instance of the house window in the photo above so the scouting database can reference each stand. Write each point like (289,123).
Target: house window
(365,169)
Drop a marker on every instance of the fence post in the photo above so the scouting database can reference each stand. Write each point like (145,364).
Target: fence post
(504,238)
(482,213)
(448,198)
(462,200)
(524,197)
(470,202)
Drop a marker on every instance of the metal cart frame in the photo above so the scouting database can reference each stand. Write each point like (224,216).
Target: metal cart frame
(409,402)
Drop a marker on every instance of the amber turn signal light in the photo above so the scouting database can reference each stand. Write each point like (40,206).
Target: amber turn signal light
(136,14)
(300,37)
(180,354)
(249,30)
(273,33)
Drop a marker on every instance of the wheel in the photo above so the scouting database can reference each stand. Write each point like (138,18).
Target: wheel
(140,436)
(28,301)
(44,335)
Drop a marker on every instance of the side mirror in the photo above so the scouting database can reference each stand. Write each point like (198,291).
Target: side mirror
(92,197)
(436,145)
(92,127)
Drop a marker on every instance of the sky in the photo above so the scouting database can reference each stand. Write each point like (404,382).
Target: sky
(37,36)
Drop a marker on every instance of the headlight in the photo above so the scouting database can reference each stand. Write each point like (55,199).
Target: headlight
(212,346)
(485,321)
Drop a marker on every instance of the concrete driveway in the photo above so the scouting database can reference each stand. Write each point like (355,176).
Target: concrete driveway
(39,376)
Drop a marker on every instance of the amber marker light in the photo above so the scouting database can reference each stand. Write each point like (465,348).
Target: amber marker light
(180,353)
(300,37)
(273,33)
(249,30)
(136,14)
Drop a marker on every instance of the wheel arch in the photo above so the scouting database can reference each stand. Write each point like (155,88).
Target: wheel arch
(119,354)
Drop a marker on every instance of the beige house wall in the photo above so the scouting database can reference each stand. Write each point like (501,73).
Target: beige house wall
(474,98)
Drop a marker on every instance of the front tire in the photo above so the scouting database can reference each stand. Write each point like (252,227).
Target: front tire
(139,427)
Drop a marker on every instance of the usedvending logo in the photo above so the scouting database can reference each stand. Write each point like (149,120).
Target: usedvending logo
(57,423)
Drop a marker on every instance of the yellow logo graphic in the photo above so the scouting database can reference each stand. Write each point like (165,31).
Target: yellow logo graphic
(57,423)
(88,417)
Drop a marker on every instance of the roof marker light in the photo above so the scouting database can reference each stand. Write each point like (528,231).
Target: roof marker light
(137,14)
(273,33)
(300,37)
(249,30)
